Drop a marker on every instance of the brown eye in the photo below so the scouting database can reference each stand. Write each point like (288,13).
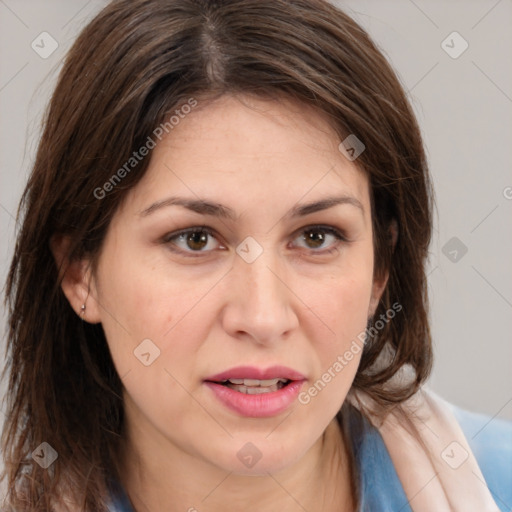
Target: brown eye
(317,237)
(193,240)
(197,240)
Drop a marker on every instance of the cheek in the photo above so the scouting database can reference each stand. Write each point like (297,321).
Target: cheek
(348,311)
(144,318)
(343,305)
(147,312)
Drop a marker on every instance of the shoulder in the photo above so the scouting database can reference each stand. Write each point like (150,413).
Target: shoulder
(490,439)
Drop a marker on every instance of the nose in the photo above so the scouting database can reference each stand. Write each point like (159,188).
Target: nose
(261,305)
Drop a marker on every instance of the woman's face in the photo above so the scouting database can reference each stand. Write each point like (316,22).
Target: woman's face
(255,293)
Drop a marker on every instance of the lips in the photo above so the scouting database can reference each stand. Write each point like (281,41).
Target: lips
(251,372)
(256,392)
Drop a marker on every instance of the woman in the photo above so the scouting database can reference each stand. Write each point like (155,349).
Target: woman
(218,296)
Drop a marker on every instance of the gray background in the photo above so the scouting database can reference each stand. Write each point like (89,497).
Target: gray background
(464,107)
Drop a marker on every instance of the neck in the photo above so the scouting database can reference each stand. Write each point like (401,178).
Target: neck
(170,479)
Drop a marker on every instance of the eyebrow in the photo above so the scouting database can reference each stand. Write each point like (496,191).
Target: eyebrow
(215,209)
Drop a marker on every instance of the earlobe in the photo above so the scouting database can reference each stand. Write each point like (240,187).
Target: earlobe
(75,279)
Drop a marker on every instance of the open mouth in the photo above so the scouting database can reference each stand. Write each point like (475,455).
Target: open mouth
(255,392)
(255,386)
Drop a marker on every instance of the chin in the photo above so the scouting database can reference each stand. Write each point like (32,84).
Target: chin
(257,456)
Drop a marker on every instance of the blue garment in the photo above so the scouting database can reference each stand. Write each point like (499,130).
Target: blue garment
(380,489)
(490,440)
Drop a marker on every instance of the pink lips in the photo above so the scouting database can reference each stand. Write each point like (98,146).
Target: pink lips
(260,405)
(250,372)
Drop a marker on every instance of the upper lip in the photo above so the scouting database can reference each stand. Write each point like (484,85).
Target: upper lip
(251,372)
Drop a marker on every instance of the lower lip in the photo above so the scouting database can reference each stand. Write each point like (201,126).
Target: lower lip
(263,405)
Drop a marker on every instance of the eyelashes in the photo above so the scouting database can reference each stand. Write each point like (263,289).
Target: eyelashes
(195,241)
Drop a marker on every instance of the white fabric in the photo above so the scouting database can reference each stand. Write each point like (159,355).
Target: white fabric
(445,477)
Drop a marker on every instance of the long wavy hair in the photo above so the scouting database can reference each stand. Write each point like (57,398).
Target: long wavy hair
(129,69)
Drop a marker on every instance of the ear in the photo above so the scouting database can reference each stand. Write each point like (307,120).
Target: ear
(380,285)
(76,280)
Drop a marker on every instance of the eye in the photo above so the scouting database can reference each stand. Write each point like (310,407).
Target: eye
(193,240)
(198,240)
(315,237)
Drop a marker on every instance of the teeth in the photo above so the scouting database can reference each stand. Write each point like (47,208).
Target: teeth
(260,390)
(236,381)
(259,387)
(271,382)
(252,382)
(256,382)
(254,390)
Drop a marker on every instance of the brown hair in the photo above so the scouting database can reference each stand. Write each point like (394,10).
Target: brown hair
(132,65)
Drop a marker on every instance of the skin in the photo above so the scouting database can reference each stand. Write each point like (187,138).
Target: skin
(295,305)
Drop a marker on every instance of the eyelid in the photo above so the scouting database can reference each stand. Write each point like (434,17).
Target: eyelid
(166,239)
(338,233)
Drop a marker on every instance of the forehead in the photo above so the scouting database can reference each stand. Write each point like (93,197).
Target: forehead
(251,152)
